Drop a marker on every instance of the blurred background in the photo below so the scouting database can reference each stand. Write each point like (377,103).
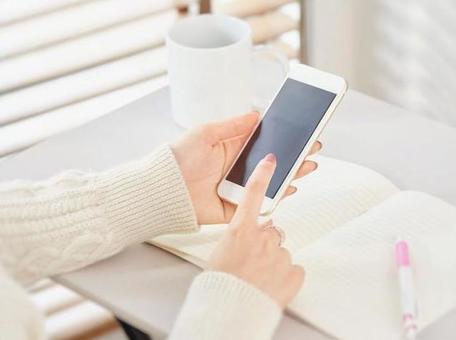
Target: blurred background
(66,62)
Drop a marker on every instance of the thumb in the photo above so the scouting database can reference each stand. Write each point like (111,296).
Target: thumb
(234,127)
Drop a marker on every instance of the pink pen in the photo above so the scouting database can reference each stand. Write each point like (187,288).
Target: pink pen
(407,289)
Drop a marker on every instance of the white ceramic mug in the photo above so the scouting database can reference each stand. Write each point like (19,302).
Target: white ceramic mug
(211,69)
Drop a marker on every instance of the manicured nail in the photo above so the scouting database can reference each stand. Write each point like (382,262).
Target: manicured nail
(270,157)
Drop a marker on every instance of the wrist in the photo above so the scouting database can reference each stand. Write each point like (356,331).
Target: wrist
(147,198)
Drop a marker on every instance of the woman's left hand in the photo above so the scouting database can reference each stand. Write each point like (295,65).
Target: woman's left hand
(205,153)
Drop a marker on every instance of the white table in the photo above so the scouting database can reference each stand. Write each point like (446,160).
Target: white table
(146,286)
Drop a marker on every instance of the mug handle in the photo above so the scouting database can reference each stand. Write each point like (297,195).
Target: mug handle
(267,81)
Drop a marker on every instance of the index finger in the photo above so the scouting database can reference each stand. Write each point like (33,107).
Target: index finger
(256,188)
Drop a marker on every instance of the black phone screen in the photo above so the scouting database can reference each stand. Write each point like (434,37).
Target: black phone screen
(284,131)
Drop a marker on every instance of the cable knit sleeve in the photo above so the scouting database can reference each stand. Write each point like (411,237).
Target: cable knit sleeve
(78,218)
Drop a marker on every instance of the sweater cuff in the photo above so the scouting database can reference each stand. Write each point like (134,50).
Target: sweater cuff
(222,306)
(147,198)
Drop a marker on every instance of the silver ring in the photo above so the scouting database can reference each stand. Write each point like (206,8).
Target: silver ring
(279,231)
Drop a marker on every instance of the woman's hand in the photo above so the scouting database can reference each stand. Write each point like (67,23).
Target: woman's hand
(205,153)
(253,253)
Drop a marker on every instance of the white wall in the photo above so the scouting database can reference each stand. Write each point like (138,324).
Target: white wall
(401,51)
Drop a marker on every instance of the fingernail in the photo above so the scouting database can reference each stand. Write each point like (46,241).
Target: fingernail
(315,166)
(270,157)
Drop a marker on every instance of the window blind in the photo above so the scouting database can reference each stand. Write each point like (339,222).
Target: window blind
(63,63)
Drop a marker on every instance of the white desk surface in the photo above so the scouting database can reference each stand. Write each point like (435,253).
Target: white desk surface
(145,285)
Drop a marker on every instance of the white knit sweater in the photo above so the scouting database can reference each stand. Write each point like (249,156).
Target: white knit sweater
(78,218)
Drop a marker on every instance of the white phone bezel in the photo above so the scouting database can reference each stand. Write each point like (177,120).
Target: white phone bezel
(233,192)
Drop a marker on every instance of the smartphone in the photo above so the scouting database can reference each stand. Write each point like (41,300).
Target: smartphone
(290,125)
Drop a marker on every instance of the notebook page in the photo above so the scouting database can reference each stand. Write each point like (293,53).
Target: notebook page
(334,194)
(351,288)
(195,247)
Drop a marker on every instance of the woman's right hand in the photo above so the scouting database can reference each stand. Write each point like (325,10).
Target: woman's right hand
(252,252)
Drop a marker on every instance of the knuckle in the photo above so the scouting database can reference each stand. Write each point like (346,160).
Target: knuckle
(248,230)
(234,230)
(263,235)
(272,236)
(285,255)
(206,132)
(265,221)
(257,252)
(202,129)
(266,236)
(241,229)
(298,273)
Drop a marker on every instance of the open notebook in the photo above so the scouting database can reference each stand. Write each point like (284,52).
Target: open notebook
(341,226)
